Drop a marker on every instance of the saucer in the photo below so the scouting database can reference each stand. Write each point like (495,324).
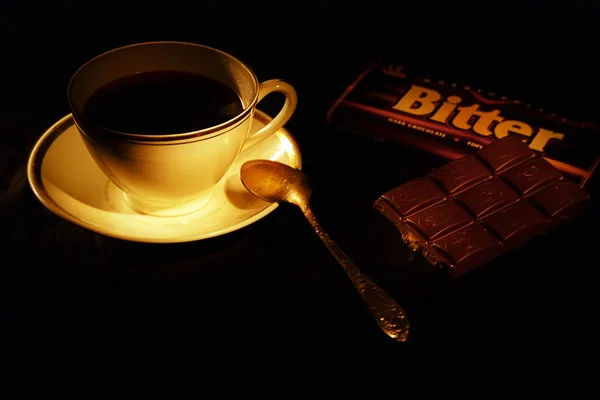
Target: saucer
(68,182)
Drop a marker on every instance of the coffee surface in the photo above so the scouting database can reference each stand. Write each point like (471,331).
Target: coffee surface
(162,103)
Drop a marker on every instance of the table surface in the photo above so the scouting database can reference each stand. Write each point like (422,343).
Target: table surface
(266,309)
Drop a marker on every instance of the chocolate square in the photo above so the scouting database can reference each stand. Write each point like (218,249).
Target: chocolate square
(562,199)
(461,174)
(467,248)
(438,219)
(531,175)
(487,197)
(517,223)
(503,154)
(415,195)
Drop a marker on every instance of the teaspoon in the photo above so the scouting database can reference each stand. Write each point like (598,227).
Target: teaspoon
(273,181)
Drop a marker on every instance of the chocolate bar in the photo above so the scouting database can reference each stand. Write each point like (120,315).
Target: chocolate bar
(474,209)
(390,102)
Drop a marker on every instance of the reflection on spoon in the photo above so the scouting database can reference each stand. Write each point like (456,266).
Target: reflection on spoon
(273,182)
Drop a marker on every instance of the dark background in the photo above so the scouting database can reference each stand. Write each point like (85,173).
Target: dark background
(265,310)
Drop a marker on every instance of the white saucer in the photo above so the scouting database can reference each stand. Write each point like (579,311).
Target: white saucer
(66,180)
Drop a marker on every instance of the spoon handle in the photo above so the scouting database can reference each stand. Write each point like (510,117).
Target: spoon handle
(390,317)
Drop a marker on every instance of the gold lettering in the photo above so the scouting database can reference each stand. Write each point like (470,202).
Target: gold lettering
(442,114)
(473,144)
(542,138)
(482,122)
(482,126)
(418,101)
(461,121)
(505,128)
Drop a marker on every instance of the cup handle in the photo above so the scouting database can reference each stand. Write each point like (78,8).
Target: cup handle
(291,100)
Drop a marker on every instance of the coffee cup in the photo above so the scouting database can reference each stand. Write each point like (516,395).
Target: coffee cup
(165,121)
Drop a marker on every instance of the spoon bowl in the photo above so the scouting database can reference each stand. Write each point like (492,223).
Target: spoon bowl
(273,182)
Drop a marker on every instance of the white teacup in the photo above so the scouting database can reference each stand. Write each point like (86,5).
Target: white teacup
(174,174)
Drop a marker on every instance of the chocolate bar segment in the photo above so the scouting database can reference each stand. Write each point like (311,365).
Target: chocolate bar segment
(562,199)
(438,219)
(487,197)
(468,247)
(461,174)
(505,154)
(463,218)
(531,175)
(415,195)
(515,224)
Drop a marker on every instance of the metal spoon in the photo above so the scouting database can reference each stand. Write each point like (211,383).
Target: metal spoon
(273,181)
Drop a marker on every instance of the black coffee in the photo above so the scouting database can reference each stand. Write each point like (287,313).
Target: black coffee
(162,103)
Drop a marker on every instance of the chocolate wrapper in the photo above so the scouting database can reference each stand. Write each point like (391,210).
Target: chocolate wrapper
(389,102)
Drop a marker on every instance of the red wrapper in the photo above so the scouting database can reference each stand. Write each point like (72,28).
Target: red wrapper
(389,102)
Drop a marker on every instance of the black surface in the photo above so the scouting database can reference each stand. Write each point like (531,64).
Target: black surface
(265,310)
